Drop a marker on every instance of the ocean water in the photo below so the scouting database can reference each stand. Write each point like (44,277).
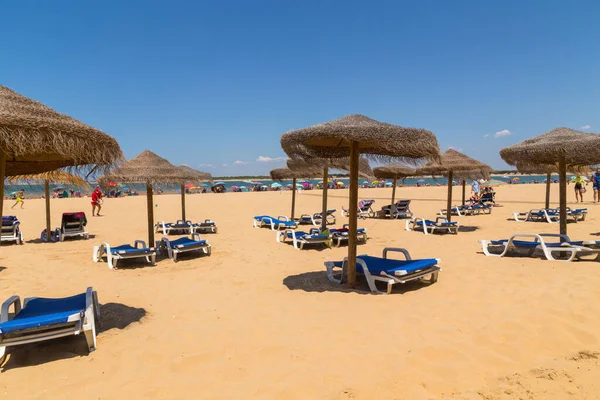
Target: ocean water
(38,190)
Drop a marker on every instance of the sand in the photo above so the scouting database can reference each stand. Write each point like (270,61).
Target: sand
(259,319)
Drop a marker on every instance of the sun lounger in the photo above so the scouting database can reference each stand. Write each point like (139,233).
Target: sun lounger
(178,228)
(72,225)
(468,210)
(300,239)
(340,236)
(184,245)
(365,209)
(11,230)
(316,218)
(384,269)
(566,250)
(401,210)
(124,252)
(440,224)
(550,215)
(207,226)
(280,222)
(41,319)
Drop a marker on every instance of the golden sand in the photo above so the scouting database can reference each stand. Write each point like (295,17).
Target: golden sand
(259,319)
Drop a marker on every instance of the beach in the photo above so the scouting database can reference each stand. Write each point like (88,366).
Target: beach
(259,319)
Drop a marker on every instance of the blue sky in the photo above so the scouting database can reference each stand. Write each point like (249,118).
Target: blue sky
(210,84)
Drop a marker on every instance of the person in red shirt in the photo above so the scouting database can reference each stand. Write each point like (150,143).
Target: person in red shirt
(96,198)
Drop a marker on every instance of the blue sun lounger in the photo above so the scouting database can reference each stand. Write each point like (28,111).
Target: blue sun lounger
(208,226)
(184,245)
(300,239)
(530,243)
(41,319)
(401,210)
(124,252)
(341,235)
(427,226)
(384,269)
(280,222)
(11,230)
(316,219)
(179,227)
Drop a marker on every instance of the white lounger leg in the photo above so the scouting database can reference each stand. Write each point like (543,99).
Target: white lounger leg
(90,318)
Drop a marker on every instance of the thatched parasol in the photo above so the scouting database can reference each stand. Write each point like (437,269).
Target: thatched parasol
(58,176)
(324,164)
(194,176)
(482,173)
(393,171)
(563,146)
(148,168)
(34,139)
(452,162)
(351,136)
(279,174)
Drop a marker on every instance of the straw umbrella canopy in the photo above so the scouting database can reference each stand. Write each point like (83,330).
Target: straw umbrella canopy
(482,173)
(452,162)
(393,171)
(279,174)
(34,138)
(58,176)
(563,146)
(148,168)
(194,176)
(324,164)
(350,136)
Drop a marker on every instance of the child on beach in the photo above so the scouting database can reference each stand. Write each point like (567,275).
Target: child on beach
(19,198)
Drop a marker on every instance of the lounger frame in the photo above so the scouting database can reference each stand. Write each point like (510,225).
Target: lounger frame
(163,227)
(413,225)
(273,223)
(316,219)
(173,252)
(300,241)
(197,228)
(341,238)
(113,258)
(12,233)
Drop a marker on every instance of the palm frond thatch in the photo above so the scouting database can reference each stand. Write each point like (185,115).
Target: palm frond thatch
(343,164)
(528,168)
(576,147)
(393,171)
(62,177)
(37,139)
(148,167)
(456,162)
(279,174)
(375,139)
(195,176)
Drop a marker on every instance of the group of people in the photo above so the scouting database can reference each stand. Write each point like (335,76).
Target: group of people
(580,186)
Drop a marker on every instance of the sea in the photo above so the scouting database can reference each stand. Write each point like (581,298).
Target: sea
(34,190)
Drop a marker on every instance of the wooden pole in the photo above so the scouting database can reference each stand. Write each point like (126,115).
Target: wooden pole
(548,181)
(353,207)
(183,202)
(562,172)
(2,176)
(47,199)
(449,204)
(324,207)
(464,191)
(293,198)
(150,206)
(393,206)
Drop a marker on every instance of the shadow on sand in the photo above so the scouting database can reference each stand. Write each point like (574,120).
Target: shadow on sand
(112,316)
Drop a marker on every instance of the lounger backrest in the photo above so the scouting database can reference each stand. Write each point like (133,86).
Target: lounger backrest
(73,221)
(403,205)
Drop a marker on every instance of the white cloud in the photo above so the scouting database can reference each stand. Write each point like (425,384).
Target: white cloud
(207,165)
(238,162)
(503,132)
(224,165)
(264,159)
(454,148)
(583,128)
(486,135)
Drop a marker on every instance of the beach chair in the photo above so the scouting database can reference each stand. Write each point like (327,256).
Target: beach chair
(124,252)
(578,214)
(340,236)
(11,230)
(300,239)
(386,270)
(365,209)
(457,210)
(194,243)
(72,225)
(550,215)
(208,226)
(565,250)
(40,319)
(316,219)
(275,224)
(488,198)
(401,210)
(440,224)
(180,227)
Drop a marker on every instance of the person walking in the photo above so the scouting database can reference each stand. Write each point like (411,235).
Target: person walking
(579,187)
(19,198)
(596,185)
(96,201)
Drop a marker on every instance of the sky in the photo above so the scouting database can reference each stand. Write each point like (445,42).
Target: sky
(214,84)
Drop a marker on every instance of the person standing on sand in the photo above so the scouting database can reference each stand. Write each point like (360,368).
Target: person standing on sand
(96,198)
(475,187)
(579,187)
(596,185)
(19,197)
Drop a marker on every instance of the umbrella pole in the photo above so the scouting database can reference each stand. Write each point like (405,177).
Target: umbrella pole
(183,202)
(150,206)
(2,176)
(464,191)
(47,200)
(548,181)
(324,208)
(353,208)
(449,204)
(293,198)
(562,171)
(393,206)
